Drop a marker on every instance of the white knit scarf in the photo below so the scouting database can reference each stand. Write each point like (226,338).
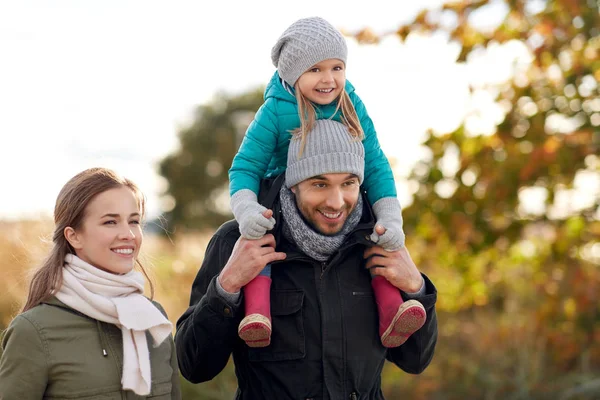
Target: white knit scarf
(118,300)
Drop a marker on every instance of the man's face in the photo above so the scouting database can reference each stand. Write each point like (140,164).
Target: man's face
(325,201)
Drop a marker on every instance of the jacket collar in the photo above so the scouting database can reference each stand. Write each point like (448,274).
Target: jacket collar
(54,302)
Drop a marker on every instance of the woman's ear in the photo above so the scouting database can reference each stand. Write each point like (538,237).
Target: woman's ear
(72,237)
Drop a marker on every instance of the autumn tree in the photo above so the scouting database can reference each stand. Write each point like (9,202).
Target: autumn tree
(196,173)
(530,266)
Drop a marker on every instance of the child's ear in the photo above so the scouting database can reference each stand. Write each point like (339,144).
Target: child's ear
(72,237)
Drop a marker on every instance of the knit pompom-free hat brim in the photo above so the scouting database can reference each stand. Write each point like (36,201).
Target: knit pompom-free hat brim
(305,43)
(329,149)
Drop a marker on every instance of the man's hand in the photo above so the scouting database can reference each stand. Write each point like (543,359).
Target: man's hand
(247,259)
(397,267)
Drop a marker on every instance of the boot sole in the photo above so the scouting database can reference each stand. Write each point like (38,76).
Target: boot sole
(255,330)
(410,318)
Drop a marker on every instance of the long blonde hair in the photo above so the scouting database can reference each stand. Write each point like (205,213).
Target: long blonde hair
(70,211)
(308,116)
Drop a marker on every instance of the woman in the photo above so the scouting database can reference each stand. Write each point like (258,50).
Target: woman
(86,328)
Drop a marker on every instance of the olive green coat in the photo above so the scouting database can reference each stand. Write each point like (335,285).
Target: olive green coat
(55,352)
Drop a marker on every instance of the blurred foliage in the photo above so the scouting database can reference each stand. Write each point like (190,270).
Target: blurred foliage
(519,309)
(197,173)
(518,284)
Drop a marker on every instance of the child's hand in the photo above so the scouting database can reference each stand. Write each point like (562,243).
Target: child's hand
(391,239)
(249,215)
(253,224)
(388,232)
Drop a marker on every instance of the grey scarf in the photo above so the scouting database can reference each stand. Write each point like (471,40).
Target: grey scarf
(314,244)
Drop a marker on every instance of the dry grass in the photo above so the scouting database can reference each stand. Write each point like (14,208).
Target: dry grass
(482,353)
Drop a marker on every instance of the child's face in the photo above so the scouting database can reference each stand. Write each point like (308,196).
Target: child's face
(323,82)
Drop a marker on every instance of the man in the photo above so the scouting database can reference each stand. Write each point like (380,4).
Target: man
(325,341)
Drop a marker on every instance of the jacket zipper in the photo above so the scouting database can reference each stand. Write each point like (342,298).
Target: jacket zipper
(323,268)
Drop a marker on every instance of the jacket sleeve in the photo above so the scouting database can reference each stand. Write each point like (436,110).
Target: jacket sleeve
(207,331)
(175,382)
(23,367)
(379,179)
(416,353)
(252,159)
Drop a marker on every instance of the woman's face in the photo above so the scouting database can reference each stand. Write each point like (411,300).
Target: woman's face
(111,235)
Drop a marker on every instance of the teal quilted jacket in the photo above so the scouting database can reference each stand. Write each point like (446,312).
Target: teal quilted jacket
(263,152)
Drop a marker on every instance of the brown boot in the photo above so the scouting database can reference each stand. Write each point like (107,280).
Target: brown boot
(398,319)
(255,328)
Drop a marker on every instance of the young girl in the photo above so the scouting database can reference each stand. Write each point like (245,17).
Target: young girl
(86,330)
(310,84)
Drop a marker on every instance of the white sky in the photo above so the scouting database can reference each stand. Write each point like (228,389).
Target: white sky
(107,83)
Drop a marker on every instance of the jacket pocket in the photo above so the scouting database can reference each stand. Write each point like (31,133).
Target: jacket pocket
(287,336)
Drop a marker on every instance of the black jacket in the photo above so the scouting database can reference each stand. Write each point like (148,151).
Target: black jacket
(325,342)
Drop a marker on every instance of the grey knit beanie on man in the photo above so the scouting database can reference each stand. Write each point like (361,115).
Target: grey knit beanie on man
(329,149)
(305,43)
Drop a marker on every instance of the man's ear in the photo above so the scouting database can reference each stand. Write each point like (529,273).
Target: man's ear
(72,237)
(293,189)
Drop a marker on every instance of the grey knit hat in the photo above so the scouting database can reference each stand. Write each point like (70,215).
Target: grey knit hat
(329,149)
(305,43)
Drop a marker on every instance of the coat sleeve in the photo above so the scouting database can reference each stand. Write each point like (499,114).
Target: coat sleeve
(417,352)
(23,367)
(260,141)
(379,179)
(207,332)
(175,382)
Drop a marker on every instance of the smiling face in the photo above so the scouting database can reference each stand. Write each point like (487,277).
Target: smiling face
(110,236)
(327,200)
(323,83)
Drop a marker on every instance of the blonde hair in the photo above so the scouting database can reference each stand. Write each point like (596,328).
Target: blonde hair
(308,116)
(70,211)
